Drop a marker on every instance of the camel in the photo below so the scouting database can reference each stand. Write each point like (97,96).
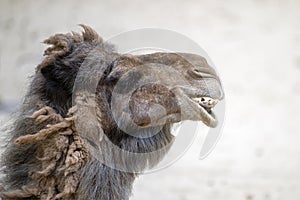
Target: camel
(60,144)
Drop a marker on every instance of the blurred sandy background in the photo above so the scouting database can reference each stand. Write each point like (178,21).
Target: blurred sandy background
(256,48)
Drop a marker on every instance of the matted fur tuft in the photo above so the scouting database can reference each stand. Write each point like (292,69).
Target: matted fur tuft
(90,34)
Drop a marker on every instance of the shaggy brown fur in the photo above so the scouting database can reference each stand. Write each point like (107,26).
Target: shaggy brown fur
(47,159)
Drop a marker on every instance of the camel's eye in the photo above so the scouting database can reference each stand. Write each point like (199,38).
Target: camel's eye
(195,73)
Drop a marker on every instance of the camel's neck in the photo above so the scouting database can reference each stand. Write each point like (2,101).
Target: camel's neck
(102,182)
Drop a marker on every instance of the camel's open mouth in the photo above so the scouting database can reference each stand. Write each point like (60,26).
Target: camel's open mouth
(206,105)
(206,102)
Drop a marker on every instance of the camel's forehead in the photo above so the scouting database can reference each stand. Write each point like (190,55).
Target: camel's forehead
(181,61)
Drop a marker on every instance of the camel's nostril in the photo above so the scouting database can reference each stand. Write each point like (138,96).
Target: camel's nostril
(202,99)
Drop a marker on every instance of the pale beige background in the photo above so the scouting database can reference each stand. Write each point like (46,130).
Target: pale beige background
(256,48)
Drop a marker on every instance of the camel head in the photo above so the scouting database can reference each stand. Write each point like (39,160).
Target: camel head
(160,88)
(133,90)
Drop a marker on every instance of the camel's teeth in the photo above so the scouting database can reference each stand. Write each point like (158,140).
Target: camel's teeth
(206,102)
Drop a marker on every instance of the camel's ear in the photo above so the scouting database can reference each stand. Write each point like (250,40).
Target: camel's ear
(115,74)
(121,66)
(90,34)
